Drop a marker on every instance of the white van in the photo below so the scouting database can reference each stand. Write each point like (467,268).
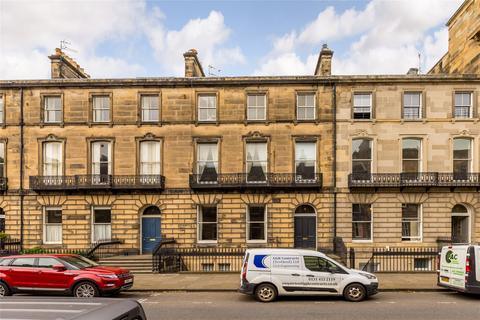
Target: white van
(268,273)
(459,268)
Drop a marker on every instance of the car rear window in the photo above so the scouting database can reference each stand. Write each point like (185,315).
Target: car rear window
(5,262)
(23,262)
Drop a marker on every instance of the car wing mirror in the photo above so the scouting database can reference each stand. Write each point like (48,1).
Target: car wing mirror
(59,267)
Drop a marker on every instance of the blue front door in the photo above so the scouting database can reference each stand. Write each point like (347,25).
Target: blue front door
(150,233)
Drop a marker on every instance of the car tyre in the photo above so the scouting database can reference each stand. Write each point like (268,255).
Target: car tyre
(85,289)
(4,290)
(355,292)
(266,292)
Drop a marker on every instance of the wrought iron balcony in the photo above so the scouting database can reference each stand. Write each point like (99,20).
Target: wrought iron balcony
(244,181)
(92,182)
(418,179)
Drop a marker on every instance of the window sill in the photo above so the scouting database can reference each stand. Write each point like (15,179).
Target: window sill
(256,241)
(362,241)
(207,242)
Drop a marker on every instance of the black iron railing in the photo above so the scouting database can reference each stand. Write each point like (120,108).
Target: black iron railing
(9,246)
(79,182)
(244,180)
(171,259)
(418,179)
(402,260)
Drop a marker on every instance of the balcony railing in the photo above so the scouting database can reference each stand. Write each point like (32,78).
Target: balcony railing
(244,180)
(419,179)
(83,182)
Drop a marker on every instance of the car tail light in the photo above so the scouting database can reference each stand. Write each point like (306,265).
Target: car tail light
(244,270)
(467,267)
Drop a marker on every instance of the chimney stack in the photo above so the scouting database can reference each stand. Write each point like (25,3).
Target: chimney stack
(64,67)
(412,72)
(324,63)
(193,68)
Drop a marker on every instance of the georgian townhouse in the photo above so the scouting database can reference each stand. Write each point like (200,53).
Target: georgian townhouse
(318,161)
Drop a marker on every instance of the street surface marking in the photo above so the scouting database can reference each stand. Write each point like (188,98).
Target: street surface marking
(446,302)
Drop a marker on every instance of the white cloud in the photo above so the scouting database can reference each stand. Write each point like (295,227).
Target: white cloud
(390,34)
(206,35)
(30,30)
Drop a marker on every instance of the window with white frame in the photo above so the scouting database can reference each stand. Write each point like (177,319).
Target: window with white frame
(52,225)
(306,106)
(53,159)
(150,108)
(52,112)
(150,158)
(2,108)
(256,107)
(257,160)
(207,223)
(411,222)
(2,158)
(462,158)
(256,223)
(412,105)
(361,221)
(207,107)
(361,159)
(101,108)
(463,105)
(207,162)
(102,224)
(101,161)
(411,155)
(305,160)
(362,106)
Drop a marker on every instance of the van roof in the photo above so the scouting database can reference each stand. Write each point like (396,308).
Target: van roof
(285,251)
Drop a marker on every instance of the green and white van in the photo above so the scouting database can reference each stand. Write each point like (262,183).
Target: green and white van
(459,268)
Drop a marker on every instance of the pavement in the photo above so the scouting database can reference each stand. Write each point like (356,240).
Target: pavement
(443,305)
(230,282)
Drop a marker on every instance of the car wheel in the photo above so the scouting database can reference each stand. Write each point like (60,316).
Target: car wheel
(4,290)
(355,292)
(85,290)
(266,292)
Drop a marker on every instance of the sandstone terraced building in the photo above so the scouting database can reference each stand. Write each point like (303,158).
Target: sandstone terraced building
(309,161)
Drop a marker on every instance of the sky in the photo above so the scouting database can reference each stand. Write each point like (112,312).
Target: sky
(139,38)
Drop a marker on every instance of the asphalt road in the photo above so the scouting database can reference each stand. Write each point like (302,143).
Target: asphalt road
(385,305)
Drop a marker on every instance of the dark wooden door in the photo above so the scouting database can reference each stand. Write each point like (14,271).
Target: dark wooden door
(305,232)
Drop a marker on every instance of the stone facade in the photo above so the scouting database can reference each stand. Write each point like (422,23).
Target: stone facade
(463,54)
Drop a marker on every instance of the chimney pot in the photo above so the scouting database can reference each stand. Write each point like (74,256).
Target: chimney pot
(412,71)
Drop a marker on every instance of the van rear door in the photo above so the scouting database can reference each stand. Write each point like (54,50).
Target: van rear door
(452,266)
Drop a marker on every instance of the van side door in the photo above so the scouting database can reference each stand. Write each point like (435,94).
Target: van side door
(287,272)
(322,275)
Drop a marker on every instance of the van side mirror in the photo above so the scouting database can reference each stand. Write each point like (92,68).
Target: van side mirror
(59,267)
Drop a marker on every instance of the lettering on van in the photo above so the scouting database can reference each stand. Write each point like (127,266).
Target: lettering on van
(451,257)
(263,261)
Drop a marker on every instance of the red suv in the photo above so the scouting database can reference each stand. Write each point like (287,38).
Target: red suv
(67,273)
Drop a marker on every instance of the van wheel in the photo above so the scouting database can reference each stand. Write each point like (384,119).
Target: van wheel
(4,290)
(85,290)
(355,292)
(265,292)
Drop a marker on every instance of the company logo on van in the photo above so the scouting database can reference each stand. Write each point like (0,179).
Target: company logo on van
(451,257)
(259,261)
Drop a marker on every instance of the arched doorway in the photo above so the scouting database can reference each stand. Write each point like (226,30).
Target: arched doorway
(460,224)
(150,228)
(305,232)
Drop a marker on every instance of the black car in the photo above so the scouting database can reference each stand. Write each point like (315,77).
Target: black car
(40,308)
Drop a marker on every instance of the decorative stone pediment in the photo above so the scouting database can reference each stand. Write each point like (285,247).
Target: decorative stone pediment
(256,135)
(361,133)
